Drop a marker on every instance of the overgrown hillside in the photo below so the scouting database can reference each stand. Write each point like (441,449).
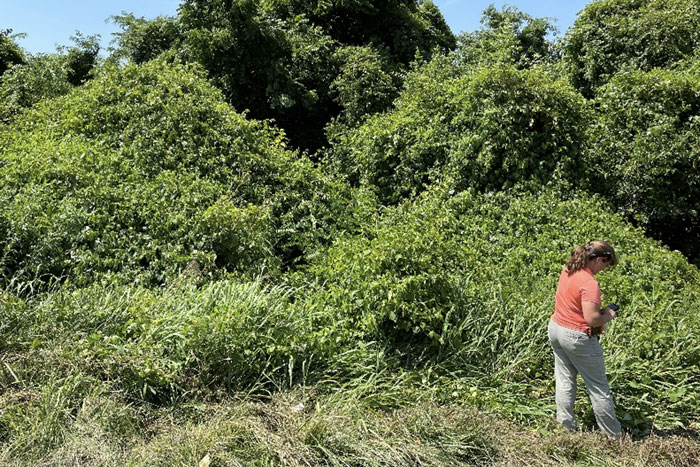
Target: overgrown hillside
(183,284)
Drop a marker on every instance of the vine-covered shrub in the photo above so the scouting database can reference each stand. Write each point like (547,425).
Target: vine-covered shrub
(41,76)
(10,52)
(365,83)
(508,36)
(645,152)
(45,76)
(610,36)
(460,285)
(141,40)
(277,59)
(146,169)
(487,128)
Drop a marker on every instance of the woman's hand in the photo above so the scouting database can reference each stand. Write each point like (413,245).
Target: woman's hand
(610,312)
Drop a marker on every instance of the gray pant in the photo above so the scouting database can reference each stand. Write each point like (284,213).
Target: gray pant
(576,353)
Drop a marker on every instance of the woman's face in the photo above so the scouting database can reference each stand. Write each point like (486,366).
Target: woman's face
(598,264)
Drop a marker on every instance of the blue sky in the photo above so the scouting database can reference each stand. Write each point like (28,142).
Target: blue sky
(48,23)
(464,15)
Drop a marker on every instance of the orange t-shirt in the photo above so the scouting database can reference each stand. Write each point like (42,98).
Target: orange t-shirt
(571,291)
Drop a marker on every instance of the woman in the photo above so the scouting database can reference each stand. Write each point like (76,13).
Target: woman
(573,336)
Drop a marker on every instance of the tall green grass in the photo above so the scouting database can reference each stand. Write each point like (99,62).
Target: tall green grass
(162,344)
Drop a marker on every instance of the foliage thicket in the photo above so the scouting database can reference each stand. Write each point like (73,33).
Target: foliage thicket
(486,128)
(437,283)
(42,76)
(10,53)
(637,62)
(508,36)
(141,40)
(45,76)
(163,250)
(81,58)
(468,280)
(399,26)
(281,59)
(645,152)
(365,83)
(146,169)
(610,36)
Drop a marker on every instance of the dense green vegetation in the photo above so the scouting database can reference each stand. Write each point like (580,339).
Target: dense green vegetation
(45,76)
(611,36)
(148,169)
(10,53)
(329,233)
(278,59)
(645,144)
(474,126)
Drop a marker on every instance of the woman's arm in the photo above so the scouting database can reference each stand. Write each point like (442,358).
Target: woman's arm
(593,316)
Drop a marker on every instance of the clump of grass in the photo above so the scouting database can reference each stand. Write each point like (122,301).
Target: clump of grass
(44,418)
(160,344)
(323,432)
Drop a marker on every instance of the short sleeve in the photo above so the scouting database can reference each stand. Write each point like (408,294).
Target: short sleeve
(590,292)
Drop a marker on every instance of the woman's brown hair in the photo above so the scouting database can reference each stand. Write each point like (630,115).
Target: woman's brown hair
(582,255)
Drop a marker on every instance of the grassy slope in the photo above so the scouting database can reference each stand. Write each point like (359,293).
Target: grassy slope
(142,376)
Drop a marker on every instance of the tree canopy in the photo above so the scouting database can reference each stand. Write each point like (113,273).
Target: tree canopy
(278,59)
(610,36)
(10,52)
(509,36)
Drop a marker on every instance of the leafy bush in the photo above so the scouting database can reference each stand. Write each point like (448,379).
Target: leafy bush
(644,152)
(508,36)
(400,27)
(488,128)
(81,58)
(271,67)
(613,35)
(146,169)
(141,40)
(277,59)
(10,53)
(41,76)
(365,83)
(45,76)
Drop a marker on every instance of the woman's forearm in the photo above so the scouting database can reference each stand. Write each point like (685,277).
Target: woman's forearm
(594,316)
(603,317)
